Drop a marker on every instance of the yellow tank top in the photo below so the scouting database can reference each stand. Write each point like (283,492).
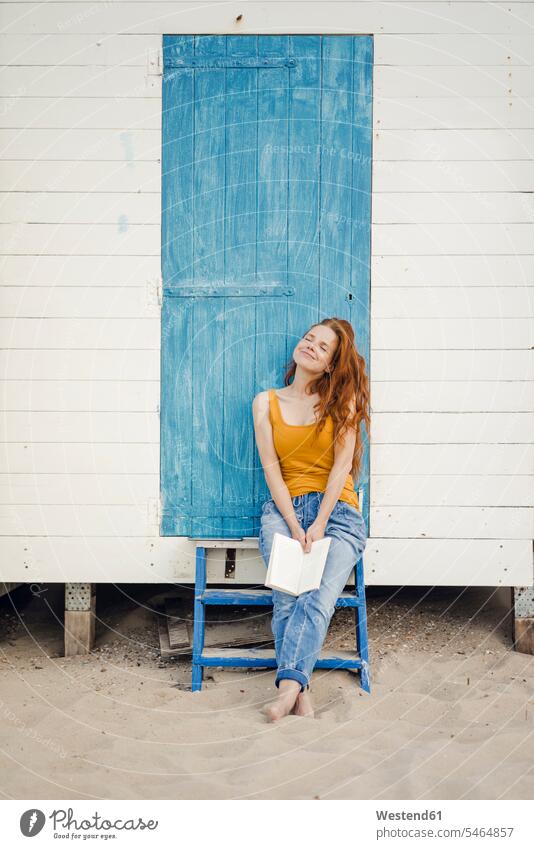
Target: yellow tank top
(306,458)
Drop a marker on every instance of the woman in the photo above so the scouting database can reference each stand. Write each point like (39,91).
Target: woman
(310,445)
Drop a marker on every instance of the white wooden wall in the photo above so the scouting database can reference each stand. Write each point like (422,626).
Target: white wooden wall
(452,296)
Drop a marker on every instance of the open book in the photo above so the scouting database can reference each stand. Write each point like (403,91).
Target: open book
(291,569)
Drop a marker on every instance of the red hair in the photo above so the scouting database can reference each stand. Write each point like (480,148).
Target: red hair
(344,392)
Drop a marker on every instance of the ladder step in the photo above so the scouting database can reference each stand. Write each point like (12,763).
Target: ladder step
(264,597)
(235,596)
(328,659)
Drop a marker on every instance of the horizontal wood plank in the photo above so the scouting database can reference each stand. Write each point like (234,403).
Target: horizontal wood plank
(50,271)
(122,396)
(50,207)
(397,562)
(453,458)
(443,301)
(389,239)
(395,522)
(80,365)
(396,396)
(389,334)
(454,48)
(466,176)
(129,50)
(80,457)
(134,113)
(438,112)
(426,428)
(463,490)
(451,365)
(448,562)
(450,333)
(442,145)
(116,334)
(452,207)
(357,17)
(453,396)
(144,207)
(438,81)
(98,240)
(385,365)
(452,239)
(97,488)
(388,428)
(458,522)
(89,82)
(79,50)
(88,427)
(143,457)
(86,177)
(455,271)
(131,301)
(415,270)
(402,489)
(126,301)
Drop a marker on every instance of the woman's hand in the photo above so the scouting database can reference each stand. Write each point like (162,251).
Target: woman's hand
(315,531)
(298,532)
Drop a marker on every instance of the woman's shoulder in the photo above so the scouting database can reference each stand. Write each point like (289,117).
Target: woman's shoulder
(261,396)
(261,400)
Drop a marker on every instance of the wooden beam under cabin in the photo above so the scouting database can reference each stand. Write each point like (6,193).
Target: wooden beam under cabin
(523,619)
(80,609)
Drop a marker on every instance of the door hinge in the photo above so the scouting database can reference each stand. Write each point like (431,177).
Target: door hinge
(219,289)
(154,62)
(154,293)
(218,62)
(154,512)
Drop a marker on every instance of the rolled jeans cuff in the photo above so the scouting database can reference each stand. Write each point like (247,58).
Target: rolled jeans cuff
(293,674)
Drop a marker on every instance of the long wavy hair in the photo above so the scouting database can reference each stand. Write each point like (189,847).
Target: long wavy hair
(346,383)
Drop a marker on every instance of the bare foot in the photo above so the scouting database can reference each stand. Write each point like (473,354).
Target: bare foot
(289,691)
(303,705)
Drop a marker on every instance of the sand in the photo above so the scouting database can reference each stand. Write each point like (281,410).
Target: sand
(450,715)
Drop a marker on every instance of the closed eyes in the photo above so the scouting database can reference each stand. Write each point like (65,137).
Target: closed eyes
(323,344)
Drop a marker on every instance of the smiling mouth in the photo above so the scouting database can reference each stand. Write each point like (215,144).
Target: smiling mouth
(308,355)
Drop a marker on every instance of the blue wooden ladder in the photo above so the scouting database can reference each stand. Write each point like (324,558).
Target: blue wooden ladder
(265,658)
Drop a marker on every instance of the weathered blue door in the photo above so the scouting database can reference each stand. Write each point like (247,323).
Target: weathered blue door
(266,194)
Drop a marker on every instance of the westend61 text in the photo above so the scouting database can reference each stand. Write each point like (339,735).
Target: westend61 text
(408,815)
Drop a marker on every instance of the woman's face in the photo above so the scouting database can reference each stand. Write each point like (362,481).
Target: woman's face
(316,349)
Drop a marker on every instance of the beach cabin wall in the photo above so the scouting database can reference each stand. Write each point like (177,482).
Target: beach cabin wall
(451,275)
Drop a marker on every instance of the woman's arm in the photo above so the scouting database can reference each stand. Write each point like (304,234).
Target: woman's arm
(271,466)
(343,454)
(338,475)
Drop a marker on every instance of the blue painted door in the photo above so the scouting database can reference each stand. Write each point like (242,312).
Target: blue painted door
(266,199)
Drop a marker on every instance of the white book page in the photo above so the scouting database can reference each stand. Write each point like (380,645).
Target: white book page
(293,571)
(313,563)
(285,564)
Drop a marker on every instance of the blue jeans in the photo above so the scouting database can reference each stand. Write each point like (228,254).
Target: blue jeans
(300,623)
